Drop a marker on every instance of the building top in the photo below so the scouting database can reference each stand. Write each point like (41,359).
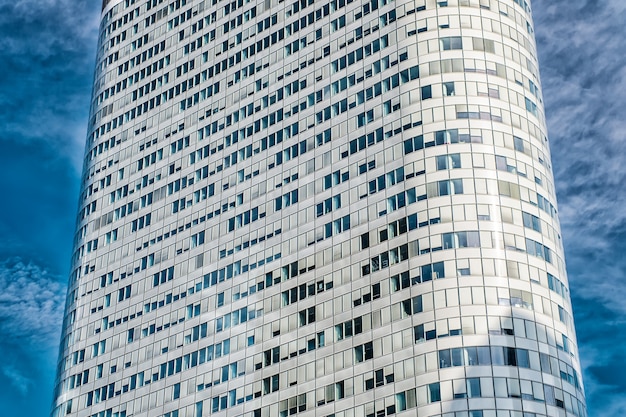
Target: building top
(105,3)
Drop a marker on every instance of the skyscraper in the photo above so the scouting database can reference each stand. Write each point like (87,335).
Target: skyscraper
(340,208)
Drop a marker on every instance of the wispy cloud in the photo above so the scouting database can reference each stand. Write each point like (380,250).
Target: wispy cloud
(31,305)
(600,333)
(31,313)
(62,25)
(17,379)
(47,50)
(582,47)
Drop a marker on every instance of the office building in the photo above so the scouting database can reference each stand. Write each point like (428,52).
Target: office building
(317,208)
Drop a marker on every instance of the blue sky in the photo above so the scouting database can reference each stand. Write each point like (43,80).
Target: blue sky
(47,50)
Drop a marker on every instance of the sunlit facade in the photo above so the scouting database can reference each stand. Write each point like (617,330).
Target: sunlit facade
(337,209)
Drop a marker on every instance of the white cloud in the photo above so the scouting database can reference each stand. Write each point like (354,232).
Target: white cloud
(17,379)
(582,46)
(47,48)
(75,25)
(31,312)
(31,306)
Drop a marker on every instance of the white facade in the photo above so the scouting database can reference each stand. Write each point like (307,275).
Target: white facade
(338,208)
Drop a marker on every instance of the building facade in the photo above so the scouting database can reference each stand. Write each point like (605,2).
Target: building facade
(339,209)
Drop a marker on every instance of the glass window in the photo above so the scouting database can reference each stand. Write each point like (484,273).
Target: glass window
(450,43)
(445,360)
(434,393)
(427,92)
(473,387)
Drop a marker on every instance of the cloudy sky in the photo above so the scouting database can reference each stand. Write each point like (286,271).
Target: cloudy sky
(47,50)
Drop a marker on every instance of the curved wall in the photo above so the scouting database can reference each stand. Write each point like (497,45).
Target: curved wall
(322,209)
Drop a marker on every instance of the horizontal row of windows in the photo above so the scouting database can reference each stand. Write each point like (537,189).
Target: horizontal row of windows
(130,115)
(461,240)
(457,240)
(508,356)
(358,324)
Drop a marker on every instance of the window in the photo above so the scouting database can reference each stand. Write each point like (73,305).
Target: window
(450,43)
(531,221)
(461,240)
(480,44)
(531,107)
(328,205)
(365,118)
(450,161)
(401,401)
(197,239)
(434,393)
(320,340)
(522,356)
(444,187)
(365,240)
(368,350)
(518,144)
(473,387)
(99,348)
(436,270)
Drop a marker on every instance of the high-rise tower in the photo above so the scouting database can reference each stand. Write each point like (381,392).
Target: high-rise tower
(339,208)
